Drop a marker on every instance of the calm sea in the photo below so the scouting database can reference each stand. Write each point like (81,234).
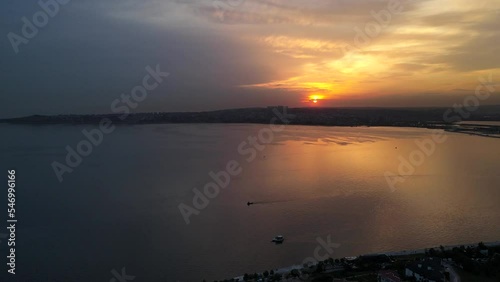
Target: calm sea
(120,207)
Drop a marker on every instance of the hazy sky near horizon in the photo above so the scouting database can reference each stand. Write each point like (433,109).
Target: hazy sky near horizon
(246,53)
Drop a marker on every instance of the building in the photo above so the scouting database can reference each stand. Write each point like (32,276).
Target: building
(428,270)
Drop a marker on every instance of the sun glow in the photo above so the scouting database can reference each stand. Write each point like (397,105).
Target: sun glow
(316,98)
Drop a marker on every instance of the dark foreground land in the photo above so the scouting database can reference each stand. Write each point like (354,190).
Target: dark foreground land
(477,262)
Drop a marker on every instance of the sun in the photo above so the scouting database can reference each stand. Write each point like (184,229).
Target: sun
(316,98)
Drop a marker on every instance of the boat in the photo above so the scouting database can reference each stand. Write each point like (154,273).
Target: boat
(249,203)
(278,239)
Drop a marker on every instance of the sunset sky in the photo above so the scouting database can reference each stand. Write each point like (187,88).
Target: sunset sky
(234,53)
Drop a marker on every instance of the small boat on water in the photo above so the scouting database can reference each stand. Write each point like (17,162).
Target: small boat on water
(249,203)
(278,239)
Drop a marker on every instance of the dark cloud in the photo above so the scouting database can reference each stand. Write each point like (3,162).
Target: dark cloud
(92,51)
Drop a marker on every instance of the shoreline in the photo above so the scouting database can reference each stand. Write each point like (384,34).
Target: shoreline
(422,251)
(445,127)
(402,253)
(425,117)
(474,133)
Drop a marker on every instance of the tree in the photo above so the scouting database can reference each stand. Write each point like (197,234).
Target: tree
(482,246)
(319,267)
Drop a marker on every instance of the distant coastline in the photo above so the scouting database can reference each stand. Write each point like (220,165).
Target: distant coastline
(408,117)
(432,118)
